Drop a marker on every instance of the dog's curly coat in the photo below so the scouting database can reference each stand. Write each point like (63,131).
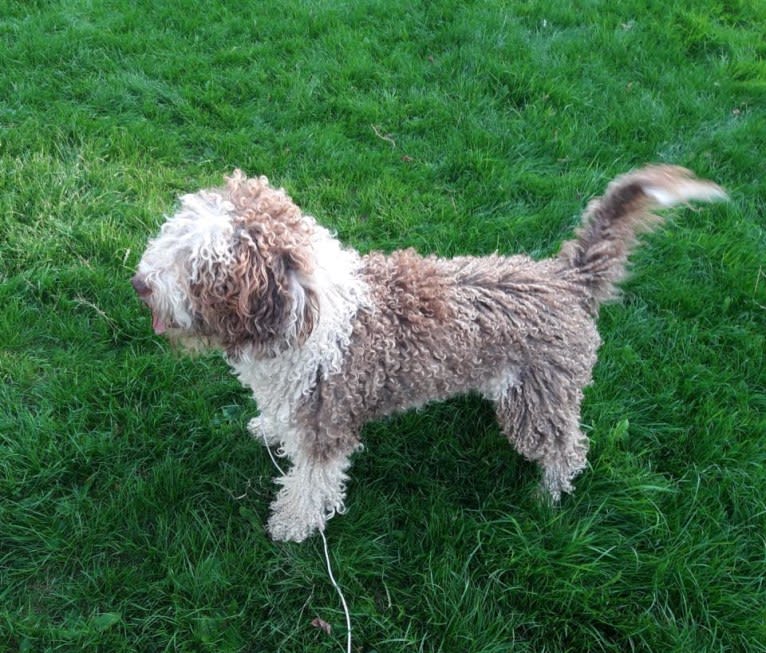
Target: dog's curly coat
(328,339)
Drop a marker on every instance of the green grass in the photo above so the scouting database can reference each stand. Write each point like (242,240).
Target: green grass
(132,502)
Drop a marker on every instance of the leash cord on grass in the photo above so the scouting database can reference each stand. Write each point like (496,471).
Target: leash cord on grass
(329,567)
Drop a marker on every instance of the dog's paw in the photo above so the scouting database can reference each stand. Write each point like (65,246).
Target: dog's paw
(554,484)
(281,528)
(295,517)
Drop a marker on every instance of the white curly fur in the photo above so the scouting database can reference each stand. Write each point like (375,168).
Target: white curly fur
(198,233)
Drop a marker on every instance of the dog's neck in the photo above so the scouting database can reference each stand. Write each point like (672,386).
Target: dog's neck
(279,382)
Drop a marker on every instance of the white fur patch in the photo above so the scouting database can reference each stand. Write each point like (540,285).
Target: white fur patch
(685,191)
(495,388)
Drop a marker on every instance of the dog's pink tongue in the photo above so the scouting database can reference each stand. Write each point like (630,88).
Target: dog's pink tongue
(157,324)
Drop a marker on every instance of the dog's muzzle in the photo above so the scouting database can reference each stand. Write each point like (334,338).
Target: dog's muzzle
(144,291)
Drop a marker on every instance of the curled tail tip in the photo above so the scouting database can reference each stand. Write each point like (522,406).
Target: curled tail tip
(669,185)
(685,193)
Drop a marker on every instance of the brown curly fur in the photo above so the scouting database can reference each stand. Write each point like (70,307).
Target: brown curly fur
(249,298)
(328,339)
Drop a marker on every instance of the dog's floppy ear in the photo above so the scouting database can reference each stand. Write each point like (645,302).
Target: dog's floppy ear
(253,295)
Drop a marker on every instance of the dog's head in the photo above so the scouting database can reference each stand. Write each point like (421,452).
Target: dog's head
(233,267)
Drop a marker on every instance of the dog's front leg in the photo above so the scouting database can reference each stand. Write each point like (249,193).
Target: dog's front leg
(313,490)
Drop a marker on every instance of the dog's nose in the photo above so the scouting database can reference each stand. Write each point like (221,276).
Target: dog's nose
(140,286)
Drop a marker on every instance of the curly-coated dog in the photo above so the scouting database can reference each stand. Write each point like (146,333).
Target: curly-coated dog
(328,339)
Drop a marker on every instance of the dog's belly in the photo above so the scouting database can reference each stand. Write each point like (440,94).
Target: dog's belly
(419,386)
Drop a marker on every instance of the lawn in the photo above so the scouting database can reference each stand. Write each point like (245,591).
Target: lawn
(133,502)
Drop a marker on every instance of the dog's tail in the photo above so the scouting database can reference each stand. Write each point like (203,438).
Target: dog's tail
(611,224)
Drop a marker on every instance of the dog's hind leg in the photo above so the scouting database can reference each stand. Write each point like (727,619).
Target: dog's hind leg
(539,414)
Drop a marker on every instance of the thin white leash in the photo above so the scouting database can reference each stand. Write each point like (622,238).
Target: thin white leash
(329,565)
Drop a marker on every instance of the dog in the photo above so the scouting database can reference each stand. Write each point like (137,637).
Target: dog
(328,339)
